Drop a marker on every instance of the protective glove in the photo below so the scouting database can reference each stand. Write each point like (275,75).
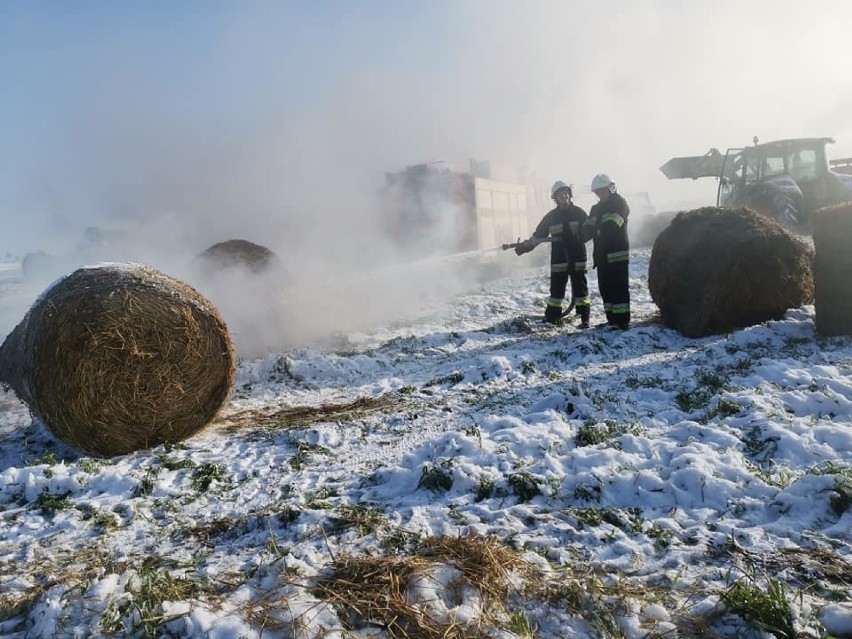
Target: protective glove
(524,247)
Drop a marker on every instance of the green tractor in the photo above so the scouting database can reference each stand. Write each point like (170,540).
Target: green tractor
(786,180)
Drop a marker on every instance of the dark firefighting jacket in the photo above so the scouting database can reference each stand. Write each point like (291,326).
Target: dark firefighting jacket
(565,226)
(607,226)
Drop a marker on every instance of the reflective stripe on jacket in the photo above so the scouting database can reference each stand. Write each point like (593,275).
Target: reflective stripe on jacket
(607,226)
(565,226)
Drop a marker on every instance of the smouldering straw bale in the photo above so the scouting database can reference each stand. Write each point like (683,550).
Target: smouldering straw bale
(832,231)
(713,270)
(119,357)
(239,253)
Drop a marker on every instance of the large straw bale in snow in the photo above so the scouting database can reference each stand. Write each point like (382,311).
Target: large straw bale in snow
(239,253)
(713,270)
(119,357)
(832,231)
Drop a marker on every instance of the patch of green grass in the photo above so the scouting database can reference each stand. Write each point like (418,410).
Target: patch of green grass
(437,476)
(146,485)
(585,596)
(288,515)
(758,447)
(832,468)
(364,518)
(399,541)
(451,379)
(484,489)
(473,431)
(206,474)
(522,626)
(690,400)
(318,504)
(589,516)
(524,485)
(588,492)
(172,463)
(89,465)
(708,384)
(600,397)
(724,408)
(140,612)
(841,497)
(45,459)
(744,365)
(662,536)
(629,520)
(303,451)
(777,477)
(711,381)
(766,609)
(101,519)
(633,381)
(593,433)
(50,504)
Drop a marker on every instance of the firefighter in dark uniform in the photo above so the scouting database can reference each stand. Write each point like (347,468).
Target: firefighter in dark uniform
(607,226)
(564,225)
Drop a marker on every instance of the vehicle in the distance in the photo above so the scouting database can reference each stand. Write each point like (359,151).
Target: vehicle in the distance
(788,180)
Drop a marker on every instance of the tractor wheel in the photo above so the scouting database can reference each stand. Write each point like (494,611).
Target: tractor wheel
(779,208)
(786,214)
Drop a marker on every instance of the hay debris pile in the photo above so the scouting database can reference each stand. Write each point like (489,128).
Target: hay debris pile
(239,253)
(832,231)
(120,357)
(713,270)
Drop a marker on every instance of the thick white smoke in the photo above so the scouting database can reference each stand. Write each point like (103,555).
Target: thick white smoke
(275,123)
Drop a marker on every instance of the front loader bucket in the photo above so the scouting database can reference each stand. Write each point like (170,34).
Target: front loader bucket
(694,166)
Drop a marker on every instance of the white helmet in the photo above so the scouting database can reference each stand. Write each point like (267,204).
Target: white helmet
(558,186)
(602,181)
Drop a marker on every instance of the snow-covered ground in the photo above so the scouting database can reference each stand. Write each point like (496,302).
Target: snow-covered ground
(654,486)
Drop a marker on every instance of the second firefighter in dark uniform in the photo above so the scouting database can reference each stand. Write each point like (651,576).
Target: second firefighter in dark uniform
(607,226)
(564,225)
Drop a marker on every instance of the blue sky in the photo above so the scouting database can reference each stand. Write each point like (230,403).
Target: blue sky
(198,60)
(207,109)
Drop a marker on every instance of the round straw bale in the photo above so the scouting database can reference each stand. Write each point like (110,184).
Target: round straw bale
(119,357)
(832,231)
(713,270)
(239,253)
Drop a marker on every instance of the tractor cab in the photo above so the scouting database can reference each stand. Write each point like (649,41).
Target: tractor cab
(786,179)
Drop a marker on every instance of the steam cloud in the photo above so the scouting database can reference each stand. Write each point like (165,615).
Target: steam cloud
(275,122)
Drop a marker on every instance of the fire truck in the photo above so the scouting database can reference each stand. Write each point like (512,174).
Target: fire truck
(434,209)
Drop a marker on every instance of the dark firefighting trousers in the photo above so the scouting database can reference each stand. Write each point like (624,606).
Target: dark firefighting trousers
(559,276)
(614,285)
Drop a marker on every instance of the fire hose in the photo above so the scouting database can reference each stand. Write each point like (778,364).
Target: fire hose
(541,240)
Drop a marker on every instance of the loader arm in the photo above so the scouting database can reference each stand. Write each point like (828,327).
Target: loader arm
(694,166)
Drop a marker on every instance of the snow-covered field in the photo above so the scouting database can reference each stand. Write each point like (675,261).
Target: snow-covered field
(653,485)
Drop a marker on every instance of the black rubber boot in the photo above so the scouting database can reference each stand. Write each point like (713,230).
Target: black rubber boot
(552,314)
(622,320)
(584,312)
